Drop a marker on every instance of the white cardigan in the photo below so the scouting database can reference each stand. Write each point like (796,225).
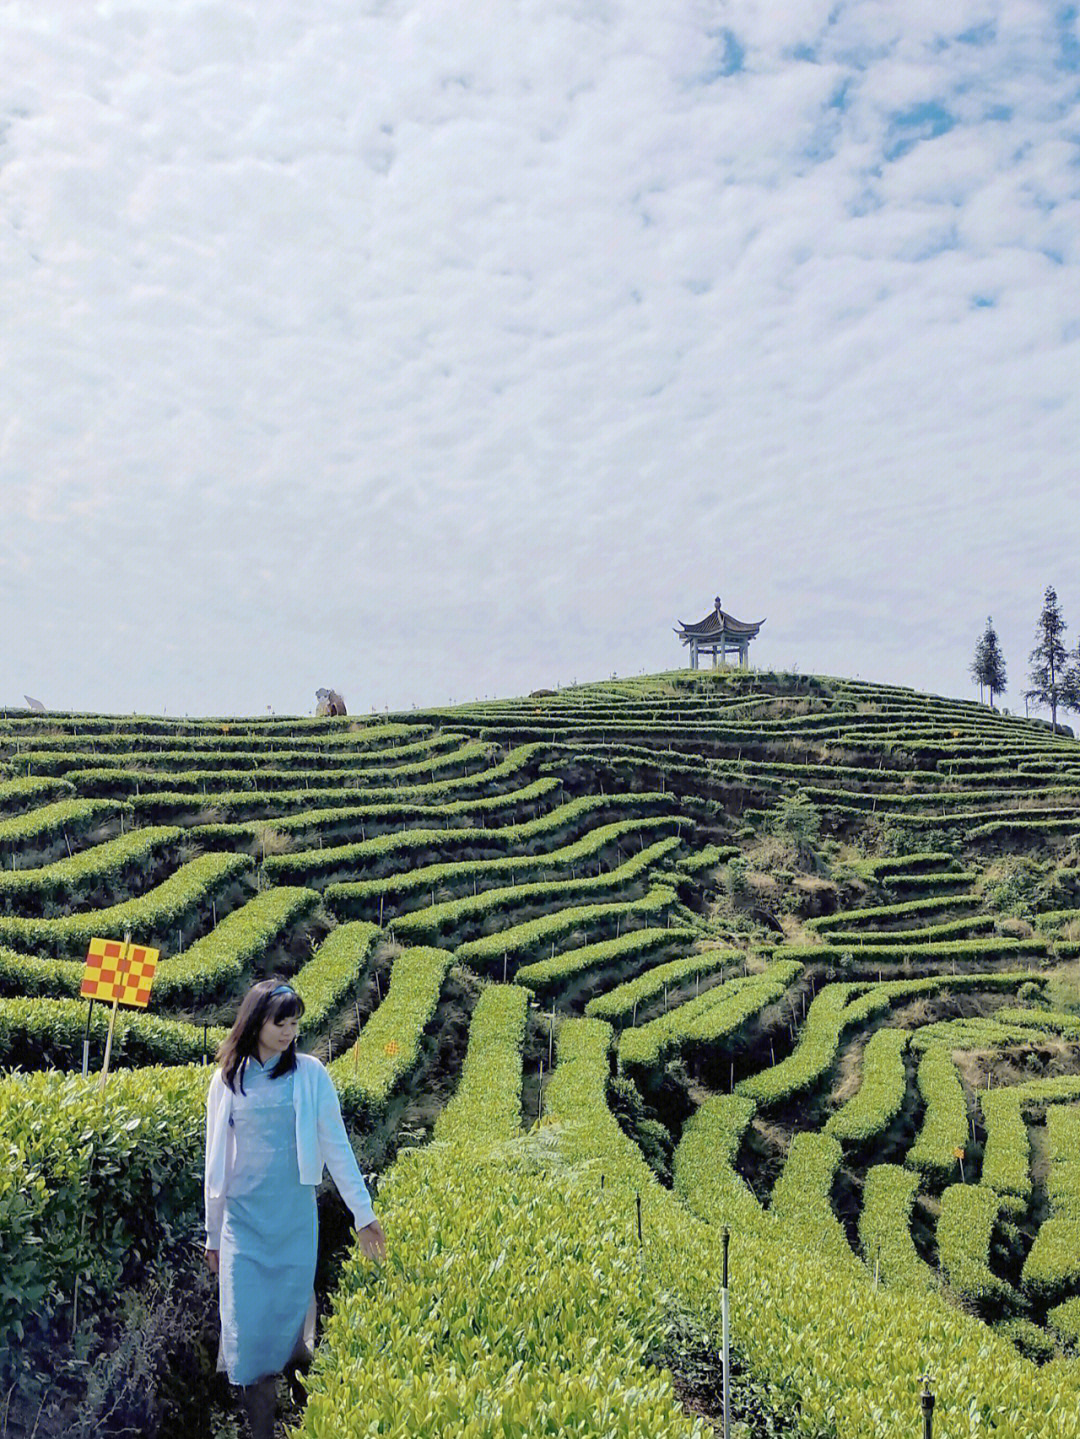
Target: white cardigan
(321,1141)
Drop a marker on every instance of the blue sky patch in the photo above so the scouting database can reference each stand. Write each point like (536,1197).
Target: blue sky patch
(907,128)
(729,58)
(984,34)
(1068,41)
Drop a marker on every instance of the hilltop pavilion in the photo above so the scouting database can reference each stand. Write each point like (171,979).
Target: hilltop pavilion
(717,634)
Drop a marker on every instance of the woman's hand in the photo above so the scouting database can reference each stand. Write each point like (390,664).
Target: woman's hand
(212,1259)
(372,1240)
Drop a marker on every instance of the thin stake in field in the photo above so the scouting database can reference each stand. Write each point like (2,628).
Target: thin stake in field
(726,1323)
(86,1040)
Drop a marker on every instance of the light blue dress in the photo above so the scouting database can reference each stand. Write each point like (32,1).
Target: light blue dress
(269,1234)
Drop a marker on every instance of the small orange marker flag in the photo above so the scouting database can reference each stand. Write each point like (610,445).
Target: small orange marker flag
(122,972)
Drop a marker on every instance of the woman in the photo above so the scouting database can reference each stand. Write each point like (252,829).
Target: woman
(272,1122)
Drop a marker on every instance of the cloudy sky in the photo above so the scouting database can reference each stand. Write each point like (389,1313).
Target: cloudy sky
(430,350)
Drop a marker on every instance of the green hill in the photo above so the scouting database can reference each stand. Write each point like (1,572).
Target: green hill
(597,973)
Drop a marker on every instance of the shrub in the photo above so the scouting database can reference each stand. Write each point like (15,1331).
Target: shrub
(798,821)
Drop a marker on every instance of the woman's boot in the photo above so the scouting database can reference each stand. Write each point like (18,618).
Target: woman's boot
(299,1363)
(260,1406)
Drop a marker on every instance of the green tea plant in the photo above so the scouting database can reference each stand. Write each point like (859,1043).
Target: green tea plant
(487,1103)
(634,948)
(94,1187)
(712,1016)
(880,1096)
(622,1001)
(945,1120)
(48,1034)
(332,972)
(965,1228)
(1007,1152)
(389,1044)
(521,940)
(106,868)
(73,817)
(704,1168)
(29,792)
(412,888)
(1052,1266)
(885,1229)
(801,1199)
(158,913)
(213,964)
(421,844)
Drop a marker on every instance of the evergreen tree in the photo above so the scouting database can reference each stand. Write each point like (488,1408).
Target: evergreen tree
(988,666)
(1070,685)
(1049,658)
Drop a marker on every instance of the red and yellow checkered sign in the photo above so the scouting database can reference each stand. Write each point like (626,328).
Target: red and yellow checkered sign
(115,970)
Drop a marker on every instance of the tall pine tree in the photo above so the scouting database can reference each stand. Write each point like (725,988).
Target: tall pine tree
(988,666)
(1048,658)
(1070,684)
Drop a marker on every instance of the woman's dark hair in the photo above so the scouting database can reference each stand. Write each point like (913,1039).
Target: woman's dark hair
(269,999)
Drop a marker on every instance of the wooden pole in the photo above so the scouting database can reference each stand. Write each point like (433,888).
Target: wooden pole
(725,1313)
(108,1045)
(86,1041)
(112,1017)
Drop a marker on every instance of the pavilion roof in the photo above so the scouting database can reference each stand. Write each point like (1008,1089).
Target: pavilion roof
(716,624)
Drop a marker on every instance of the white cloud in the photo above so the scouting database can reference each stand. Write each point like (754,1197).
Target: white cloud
(425,349)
